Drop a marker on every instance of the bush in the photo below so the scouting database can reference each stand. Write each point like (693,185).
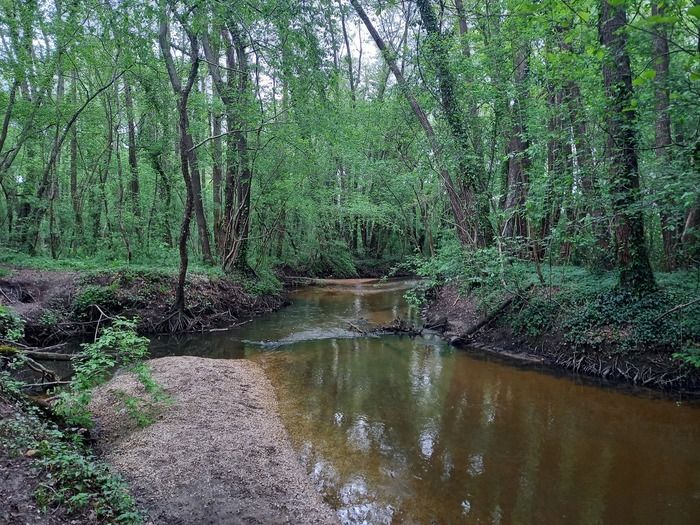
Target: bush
(104,297)
(537,316)
(118,346)
(76,479)
(634,322)
(11,326)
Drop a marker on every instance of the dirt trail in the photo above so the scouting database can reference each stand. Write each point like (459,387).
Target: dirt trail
(219,454)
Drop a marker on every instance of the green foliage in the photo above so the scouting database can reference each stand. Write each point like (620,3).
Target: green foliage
(118,346)
(333,259)
(265,282)
(631,320)
(49,318)
(11,326)
(104,297)
(536,317)
(689,355)
(75,478)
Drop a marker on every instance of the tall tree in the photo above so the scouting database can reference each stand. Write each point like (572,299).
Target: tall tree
(632,257)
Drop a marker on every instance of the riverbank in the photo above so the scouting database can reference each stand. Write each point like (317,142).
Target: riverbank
(598,334)
(217,454)
(55,305)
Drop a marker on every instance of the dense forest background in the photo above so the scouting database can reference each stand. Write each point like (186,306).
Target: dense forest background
(322,135)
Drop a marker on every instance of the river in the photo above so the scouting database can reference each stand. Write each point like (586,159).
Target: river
(399,430)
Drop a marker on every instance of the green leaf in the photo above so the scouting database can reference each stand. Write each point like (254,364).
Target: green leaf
(694,11)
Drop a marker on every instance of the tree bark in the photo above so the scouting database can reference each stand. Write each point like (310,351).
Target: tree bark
(632,258)
(516,151)
(473,192)
(185,139)
(134,191)
(670,225)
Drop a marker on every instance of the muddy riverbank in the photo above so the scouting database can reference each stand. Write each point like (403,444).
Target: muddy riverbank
(456,315)
(58,305)
(217,454)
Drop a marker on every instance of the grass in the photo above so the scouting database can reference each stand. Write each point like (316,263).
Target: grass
(584,309)
(167,265)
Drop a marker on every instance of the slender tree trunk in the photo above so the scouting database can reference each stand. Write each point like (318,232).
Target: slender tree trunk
(516,150)
(348,56)
(632,258)
(216,179)
(134,191)
(185,139)
(670,225)
(75,196)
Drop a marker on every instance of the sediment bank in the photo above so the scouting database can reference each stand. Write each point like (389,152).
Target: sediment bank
(218,453)
(455,315)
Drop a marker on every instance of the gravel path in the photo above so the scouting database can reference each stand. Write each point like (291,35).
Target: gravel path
(218,455)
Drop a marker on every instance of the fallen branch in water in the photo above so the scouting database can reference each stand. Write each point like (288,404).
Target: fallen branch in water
(399,326)
(356,328)
(37,354)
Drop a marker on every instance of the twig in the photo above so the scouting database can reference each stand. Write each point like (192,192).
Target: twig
(46,384)
(679,307)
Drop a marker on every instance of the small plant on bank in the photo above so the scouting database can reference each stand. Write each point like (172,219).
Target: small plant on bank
(690,355)
(118,346)
(76,480)
(11,326)
(104,297)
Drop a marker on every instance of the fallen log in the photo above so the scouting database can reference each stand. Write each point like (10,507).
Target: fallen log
(36,354)
(464,337)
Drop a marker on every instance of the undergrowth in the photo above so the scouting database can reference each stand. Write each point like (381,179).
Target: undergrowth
(76,480)
(587,309)
(118,346)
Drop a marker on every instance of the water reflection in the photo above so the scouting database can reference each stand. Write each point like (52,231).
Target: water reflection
(404,430)
(439,436)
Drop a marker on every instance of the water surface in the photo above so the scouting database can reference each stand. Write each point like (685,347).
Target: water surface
(401,430)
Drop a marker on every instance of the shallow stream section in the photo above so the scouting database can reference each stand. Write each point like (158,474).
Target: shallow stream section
(399,430)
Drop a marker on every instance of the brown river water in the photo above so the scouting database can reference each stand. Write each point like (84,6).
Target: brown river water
(399,430)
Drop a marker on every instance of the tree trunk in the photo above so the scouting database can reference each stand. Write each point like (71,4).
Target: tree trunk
(134,192)
(473,192)
(670,225)
(516,151)
(75,196)
(632,258)
(185,139)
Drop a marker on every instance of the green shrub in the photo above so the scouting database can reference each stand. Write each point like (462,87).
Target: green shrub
(75,479)
(537,316)
(11,326)
(118,346)
(265,282)
(104,297)
(334,258)
(617,315)
(689,355)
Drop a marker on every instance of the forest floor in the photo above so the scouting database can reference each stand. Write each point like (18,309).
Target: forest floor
(19,480)
(57,305)
(600,351)
(218,454)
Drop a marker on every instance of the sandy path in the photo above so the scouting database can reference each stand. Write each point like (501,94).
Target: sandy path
(218,455)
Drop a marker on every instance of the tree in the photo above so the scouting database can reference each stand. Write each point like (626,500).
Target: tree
(632,257)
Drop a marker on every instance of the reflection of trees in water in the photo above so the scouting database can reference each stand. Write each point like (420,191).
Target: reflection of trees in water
(440,435)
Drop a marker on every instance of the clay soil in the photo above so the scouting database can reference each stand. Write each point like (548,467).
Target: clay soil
(218,453)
